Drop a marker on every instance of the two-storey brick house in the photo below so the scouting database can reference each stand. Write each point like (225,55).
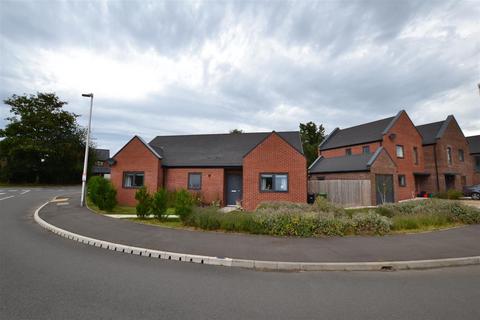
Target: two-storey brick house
(400,143)
(245,168)
(474,146)
(447,156)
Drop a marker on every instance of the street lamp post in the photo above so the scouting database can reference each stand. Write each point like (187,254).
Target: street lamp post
(87,143)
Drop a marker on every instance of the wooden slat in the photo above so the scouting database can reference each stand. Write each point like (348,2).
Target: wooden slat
(348,193)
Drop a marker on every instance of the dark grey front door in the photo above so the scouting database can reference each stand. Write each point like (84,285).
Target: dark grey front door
(384,188)
(449,181)
(234,188)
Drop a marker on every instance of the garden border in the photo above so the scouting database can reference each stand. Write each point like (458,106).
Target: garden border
(257,264)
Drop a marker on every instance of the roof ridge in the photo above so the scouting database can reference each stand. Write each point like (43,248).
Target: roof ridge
(225,134)
(367,123)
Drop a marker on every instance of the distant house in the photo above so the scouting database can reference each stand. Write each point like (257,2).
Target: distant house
(233,169)
(101,167)
(447,156)
(388,152)
(474,145)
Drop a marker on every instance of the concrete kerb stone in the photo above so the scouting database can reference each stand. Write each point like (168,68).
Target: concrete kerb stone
(258,264)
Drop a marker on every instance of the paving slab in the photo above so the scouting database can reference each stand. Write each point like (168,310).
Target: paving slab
(451,243)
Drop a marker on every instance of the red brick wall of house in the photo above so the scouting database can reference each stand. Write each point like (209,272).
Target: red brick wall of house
(356,149)
(407,135)
(453,138)
(135,156)
(274,155)
(212,188)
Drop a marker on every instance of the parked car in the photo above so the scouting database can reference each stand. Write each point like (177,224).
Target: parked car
(472,191)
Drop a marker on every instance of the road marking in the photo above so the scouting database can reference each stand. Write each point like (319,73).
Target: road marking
(6,198)
(25,191)
(2,193)
(12,190)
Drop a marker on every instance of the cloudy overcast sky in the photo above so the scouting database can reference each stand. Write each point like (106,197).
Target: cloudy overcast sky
(172,67)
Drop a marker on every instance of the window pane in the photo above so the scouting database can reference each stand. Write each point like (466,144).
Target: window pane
(281,182)
(139,180)
(128,180)
(194,181)
(460,155)
(400,151)
(266,183)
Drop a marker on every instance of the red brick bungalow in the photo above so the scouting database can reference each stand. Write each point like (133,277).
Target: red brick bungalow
(447,156)
(474,146)
(388,152)
(245,168)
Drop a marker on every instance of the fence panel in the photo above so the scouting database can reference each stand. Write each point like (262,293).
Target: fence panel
(348,193)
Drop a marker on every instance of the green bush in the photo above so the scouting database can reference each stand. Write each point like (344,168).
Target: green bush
(144,202)
(371,223)
(451,194)
(183,204)
(159,204)
(102,193)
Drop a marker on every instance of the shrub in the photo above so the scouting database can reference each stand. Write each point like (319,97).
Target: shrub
(102,193)
(451,194)
(183,204)
(371,223)
(159,204)
(144,202)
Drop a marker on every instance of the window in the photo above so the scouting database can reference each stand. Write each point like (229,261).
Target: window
(402,181)
(348,152)
(99,163)
(366,149)
(194,181)
(399,151)
(415,155)
(274,182)
(449,155)
(461,155)
(133,179)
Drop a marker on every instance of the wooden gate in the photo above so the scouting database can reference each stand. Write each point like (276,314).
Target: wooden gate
(348,193)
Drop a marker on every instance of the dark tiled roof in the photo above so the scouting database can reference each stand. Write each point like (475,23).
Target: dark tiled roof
(357,162)
(429,131)
(474,144)
(432,131)
(102,154)
(367,132)
(213,149)
(97,169)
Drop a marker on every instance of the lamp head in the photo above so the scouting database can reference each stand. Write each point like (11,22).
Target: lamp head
(89,95)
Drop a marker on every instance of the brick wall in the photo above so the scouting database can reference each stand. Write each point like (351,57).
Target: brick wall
(135,156)
(356,149)
(212,188)
(454,138)
(274,155)
(407,135)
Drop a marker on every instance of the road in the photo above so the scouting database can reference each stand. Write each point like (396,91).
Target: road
(43,276)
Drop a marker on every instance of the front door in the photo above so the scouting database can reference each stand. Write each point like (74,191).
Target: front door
(449,181)
(234,188)
(384,188)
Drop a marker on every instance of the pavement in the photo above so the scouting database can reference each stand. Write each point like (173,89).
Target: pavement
(44,276)
(451,243)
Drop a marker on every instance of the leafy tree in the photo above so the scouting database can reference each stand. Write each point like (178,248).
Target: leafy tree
(236,131)
(42,143)
(160,204)
(312,135)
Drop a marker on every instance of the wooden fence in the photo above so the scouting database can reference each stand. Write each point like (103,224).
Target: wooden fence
(348,193)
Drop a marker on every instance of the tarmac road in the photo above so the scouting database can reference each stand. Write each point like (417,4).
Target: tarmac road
(43,276)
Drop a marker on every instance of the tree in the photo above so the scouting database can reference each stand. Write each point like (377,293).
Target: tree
(42,143)
(311,135)
(236,131)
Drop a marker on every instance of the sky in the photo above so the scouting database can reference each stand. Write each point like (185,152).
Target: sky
(189,67)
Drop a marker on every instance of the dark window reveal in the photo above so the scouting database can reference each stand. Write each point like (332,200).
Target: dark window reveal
(415,155)
(133,179)
(194,181)
(461,155)
(402,181)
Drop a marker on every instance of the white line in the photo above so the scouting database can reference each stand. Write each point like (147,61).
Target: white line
(2,193)
(6,198)
(13,190)
(25,191)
